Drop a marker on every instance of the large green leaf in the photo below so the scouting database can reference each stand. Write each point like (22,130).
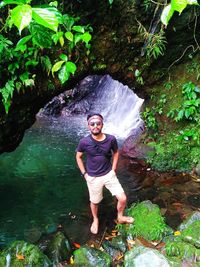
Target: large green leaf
(46,18)
(41,36)
(21,16)
(63,74)
(179,5)
(166,15)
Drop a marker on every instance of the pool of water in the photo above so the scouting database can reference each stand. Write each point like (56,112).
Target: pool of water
(40,181)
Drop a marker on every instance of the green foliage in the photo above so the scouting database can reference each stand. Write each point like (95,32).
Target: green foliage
(40,27)
(149,118)
(178,151)
(175,5)
(152,228)
(182,250)
(189,108)
(138,76)
(154,43)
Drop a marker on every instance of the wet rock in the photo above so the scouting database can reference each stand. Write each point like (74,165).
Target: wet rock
(182,250)
(113,252)
(193,217)
(59,248)
(192,234)
(148,223)
(21,253)
(143,257)
(119,242)
(86,256)
(194,200)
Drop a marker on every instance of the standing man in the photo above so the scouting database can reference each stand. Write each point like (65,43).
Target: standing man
(102,154)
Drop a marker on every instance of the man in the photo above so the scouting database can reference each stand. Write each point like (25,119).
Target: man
(102,157)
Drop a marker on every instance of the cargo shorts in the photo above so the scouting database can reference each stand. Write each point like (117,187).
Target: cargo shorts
(95,186)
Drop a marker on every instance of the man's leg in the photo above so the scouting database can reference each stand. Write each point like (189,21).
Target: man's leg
(120,209)
(95,224)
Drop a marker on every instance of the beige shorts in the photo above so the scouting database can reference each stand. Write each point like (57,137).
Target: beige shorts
(96,184)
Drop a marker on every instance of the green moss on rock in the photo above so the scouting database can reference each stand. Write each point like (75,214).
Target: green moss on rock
(148,223)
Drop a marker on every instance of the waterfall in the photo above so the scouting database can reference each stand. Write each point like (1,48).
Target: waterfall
(117,103)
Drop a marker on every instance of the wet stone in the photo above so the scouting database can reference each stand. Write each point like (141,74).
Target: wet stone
(194,200)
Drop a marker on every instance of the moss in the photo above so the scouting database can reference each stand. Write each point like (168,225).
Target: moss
(148,223)
(182,250)
(21,253)
(192,234)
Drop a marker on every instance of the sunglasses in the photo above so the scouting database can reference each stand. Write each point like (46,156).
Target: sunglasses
(97,123)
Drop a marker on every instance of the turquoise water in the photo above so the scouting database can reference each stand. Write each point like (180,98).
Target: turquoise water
(40,181)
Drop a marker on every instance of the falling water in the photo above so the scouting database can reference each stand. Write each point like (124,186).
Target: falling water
(117,103)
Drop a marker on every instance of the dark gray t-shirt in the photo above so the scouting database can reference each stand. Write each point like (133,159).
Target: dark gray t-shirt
(98,153)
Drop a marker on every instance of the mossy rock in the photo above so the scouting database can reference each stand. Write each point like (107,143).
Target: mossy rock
(86,256)
(192,234)
(119,242)
(148,222)
(59,248)
(140,256)
(195,216)
(20,254)
(182,250)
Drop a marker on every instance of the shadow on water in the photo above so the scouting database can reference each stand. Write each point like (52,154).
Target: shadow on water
(41,187)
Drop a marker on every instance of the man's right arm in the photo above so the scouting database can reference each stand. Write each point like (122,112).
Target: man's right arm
(80,163)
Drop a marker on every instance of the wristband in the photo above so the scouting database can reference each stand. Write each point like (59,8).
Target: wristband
(83,174)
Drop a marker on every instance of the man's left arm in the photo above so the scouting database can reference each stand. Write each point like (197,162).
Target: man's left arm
(115,160)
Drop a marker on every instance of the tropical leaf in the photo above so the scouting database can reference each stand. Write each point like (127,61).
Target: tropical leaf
(69,36)
(86,37)
(78,28)
(56,66)
(63,57)
(179,5)
(41,36)
(23,40)
(71,67)
(21,16)
(63,74)
(46,18)
(166,15)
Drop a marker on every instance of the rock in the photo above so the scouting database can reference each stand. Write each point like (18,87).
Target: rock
(143,257)
(59,248)
(109,248)
(119,242)
(86,256)
(191,234)
(182,250)
(148,223)
(193,217)
(20,254)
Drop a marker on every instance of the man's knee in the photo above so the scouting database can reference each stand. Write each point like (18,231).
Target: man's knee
(122,198)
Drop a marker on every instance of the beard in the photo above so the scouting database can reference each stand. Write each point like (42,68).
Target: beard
(96,132)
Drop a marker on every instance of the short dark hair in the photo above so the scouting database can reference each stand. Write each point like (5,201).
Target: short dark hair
(94,114)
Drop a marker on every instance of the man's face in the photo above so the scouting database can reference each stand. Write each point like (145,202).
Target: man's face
(95,125)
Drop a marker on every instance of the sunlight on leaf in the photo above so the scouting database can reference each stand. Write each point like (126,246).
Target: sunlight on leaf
(21,16)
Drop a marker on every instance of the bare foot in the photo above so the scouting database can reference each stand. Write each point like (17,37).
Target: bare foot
(95,226)
(125,219)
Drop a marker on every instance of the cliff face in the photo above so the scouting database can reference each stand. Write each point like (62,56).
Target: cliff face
(117,49)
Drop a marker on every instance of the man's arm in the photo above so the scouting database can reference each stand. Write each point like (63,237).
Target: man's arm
(115,160)
(80,163)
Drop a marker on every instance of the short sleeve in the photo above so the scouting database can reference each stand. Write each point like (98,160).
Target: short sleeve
(114,144)
(81,146)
